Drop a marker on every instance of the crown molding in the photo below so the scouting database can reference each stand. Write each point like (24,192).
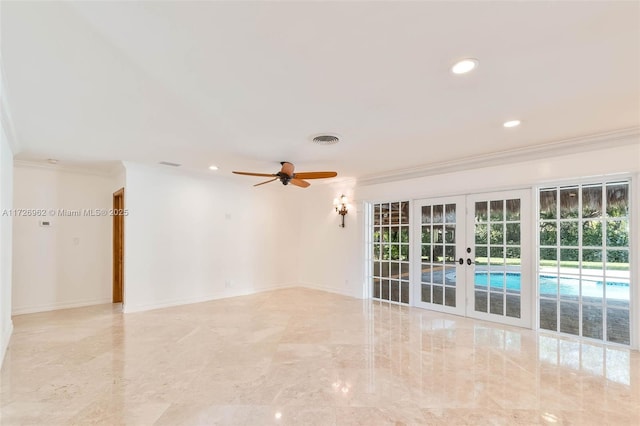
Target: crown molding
(109,170)
(616,138)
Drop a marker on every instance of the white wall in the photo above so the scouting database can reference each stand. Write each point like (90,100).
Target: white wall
(329,254)
(68,264)
(6,201)
(191,238)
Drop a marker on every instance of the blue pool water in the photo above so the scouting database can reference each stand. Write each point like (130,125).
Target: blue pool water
(552,285)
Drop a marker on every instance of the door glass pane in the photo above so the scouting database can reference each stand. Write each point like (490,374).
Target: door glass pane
(497,211)
(481,211)
(437,214)
(450,213)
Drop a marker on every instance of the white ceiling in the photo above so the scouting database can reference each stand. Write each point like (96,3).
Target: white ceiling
(244,85)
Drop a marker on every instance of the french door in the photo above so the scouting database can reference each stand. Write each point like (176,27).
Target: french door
(475,256)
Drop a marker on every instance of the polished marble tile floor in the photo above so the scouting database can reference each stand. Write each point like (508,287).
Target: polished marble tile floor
(305,357)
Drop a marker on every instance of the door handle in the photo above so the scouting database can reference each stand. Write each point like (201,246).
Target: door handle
(470,262)
(461,261)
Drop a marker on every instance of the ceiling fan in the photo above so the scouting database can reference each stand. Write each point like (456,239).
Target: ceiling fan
(286,176)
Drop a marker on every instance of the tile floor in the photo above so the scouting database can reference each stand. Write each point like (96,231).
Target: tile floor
(305,357)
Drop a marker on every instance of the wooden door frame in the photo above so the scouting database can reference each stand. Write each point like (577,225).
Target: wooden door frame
(118,247)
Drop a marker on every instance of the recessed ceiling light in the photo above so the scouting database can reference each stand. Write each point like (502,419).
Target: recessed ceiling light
(52,161)
(213,167)
(464,66)
(512,123)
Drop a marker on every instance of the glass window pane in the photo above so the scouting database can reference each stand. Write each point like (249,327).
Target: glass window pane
(426,214)
(569,317)
(513,233)
(384,212)
(481,211)
(618,233)
(438,295)
(450,296)
(395,213)
(592,262)
(376,251)
(548,286)
(450,254)
(512,306)
(404,234)
(376,288)
(426,253)
(395,291)
(394,234)
(548,254)
(450,213)
(497,234)
(548,314)
(512,254)
(425,293)
(569,233)
(404,292)
(618,200)
(404,252)
(592,233)
(569,255)
(513,209)
(438,232)
(617,260)
(438,214)
(496,255)
(404,212)
(481,298)
(385,290)
(592,321)
(426,234)
(592,201)
(618,326)
(425,275)
(548,204)
(496,303)
(385,269)
(497,210)
(548,234)
(481,234)
(376,269)
(376,214)
(450,234)
(395,270)
(568,203)
(385,234)
(395,251)
(481,255)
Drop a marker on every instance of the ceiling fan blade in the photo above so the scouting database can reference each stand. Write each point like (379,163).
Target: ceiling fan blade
(299,182)
(316,175)
(287,168)
(255,174)
(262,183)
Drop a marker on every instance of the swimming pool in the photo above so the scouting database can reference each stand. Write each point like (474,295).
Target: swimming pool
(552,285)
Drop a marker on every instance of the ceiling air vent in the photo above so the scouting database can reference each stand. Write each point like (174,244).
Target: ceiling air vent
(168,163)
(326,139)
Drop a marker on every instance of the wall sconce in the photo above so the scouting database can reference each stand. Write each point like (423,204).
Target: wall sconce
(341,207)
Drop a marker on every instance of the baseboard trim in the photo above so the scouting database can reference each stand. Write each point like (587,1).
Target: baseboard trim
(336,290)
(57,306)
(127,308)
(6,337)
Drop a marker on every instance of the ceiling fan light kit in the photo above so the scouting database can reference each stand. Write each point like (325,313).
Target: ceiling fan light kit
(287,176)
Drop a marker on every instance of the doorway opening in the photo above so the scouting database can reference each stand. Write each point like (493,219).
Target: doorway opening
(118,246)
